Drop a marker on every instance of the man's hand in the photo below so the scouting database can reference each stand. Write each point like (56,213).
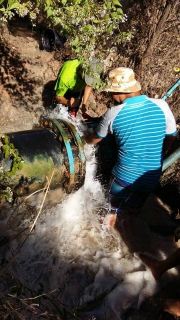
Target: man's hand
(83,109)
(87,136)
(85,113)
(91,137)
(73,102)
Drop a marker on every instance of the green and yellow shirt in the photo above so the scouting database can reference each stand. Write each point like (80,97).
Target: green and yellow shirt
(68,78)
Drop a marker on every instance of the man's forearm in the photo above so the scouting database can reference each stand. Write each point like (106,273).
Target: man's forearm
(63,101)
(91,137)
(72,103)
(87,93)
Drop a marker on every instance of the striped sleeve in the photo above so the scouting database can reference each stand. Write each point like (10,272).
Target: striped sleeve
(105,125)
(171,128)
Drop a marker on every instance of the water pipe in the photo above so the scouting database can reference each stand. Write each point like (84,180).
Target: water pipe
(171,159)
(55,147)
(168,93)
(176,154)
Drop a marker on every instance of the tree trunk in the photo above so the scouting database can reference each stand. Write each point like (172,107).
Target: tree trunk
(156,33)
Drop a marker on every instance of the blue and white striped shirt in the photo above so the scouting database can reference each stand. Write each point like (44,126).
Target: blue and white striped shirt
(139,125)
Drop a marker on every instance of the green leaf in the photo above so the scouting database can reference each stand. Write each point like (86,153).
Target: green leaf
(48,3)
(6,150)
(85,11)
(49,12)
(114,15)
(69,8)
(96,21)
(109,6)
(77,50)
(1,1)
(75,42)
(6,139)
(119,10)
(88,28)
(117,3)
(76,1)
(110,28)
(38,2)
(14,6)
(106,18)
(11,2)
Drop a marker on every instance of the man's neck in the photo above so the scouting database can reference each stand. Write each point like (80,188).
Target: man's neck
(124,96)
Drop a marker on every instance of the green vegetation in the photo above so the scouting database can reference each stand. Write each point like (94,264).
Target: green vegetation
(90,26)
(8,151)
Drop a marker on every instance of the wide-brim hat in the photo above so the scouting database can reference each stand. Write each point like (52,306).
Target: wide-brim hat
(122,80)
(93,72)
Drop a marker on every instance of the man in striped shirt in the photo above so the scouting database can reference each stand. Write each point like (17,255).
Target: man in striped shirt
(144,129)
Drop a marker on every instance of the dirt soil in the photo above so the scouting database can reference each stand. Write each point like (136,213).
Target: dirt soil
(28,75)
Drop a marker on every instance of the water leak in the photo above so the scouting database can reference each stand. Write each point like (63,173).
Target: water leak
(92,270)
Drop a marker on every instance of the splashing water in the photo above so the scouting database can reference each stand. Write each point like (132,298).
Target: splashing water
(90,267)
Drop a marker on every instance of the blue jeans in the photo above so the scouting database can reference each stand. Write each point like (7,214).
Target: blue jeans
(123,194)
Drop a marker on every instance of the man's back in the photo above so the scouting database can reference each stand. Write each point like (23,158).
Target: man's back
(143,128)
(139,126)
(68,78)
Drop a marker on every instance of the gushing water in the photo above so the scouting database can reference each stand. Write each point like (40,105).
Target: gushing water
(72,251)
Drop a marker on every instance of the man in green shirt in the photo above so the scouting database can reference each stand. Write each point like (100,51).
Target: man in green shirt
(73,79)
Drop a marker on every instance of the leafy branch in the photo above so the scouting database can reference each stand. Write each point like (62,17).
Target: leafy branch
(91,27)
(8,151)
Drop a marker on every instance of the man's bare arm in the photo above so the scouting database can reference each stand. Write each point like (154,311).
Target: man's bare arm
(91,137)
(87,93)
(72,103)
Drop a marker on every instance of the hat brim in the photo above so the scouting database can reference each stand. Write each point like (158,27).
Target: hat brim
(124,88)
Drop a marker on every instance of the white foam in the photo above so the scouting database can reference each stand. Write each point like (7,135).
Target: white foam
(72,252)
